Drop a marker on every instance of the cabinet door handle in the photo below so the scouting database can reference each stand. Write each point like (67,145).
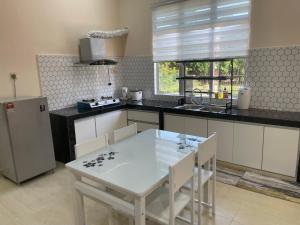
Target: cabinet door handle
(42,108)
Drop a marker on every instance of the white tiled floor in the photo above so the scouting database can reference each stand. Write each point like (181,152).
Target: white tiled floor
(47,200)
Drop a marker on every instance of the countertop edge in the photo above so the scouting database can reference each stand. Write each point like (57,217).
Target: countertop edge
(170,109)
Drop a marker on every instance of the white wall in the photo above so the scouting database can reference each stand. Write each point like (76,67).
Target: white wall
(31,27)
(274,23)
(34,27)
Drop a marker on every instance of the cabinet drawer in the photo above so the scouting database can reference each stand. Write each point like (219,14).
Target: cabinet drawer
(136,115)
(143,126)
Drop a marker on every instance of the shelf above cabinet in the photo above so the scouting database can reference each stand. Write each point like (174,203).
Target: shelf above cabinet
(203,78)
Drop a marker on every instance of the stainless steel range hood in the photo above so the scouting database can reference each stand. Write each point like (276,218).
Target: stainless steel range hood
(93,52)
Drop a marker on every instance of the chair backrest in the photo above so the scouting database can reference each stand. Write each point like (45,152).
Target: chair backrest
(179,175)
(90,145)
(125,132)
(182,171)
(207,150)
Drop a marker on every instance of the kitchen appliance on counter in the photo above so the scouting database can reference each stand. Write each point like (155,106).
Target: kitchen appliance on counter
(92,103)
(244,98)
(26,147)
(136,95)
(124,91)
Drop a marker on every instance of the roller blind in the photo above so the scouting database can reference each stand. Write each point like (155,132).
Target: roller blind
(201,29)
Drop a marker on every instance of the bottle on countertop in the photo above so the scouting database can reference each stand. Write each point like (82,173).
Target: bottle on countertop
(225,93)
(220,94)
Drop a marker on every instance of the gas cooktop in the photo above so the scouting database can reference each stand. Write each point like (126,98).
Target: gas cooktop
(93,103)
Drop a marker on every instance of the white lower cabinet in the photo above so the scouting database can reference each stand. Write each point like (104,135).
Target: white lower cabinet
(248,145)
(85,129)
(143,119)
(280,152)
(174,123)
(143,126)
(273,149)
(108,122)
(186,124)
(196,126)
(224,132)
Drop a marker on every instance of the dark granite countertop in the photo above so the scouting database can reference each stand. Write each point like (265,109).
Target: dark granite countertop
(272,117)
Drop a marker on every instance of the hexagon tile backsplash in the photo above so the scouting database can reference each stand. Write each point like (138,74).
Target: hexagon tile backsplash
(273,74)
(64,83)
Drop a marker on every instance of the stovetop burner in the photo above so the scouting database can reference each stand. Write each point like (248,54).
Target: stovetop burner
(92,103)
(106,97)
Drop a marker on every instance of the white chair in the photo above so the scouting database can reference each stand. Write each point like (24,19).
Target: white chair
(165,204)
(125,132)
(90,146)
(85,148)
(206,164)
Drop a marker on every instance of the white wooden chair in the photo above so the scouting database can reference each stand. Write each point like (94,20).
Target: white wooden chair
(165,204)
(206,164)
(85,148)
(90,146)
(125,132)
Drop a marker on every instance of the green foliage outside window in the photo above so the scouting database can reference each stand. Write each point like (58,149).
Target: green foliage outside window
(168,71)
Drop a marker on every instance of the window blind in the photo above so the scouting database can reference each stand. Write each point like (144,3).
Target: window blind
(201,29)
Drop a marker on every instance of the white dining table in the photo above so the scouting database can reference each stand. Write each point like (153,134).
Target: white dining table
(134,167)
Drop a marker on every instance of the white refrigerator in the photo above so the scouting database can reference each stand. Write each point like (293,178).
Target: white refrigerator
(26,147)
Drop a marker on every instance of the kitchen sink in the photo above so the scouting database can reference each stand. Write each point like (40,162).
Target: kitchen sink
(212,108)
(189,107)
(204,108)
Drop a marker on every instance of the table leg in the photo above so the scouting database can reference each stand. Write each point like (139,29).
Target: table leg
(78,203)
(139,211)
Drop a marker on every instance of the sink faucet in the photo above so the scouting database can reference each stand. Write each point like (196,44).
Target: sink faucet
(198,91)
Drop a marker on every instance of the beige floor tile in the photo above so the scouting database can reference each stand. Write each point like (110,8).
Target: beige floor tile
(47,200)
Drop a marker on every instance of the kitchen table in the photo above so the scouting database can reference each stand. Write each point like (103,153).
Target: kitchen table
(134,167)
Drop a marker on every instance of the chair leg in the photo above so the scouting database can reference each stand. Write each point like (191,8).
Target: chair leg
(192,201)
(214,186)
(199,200)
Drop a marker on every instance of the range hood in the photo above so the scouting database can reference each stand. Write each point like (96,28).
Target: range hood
(93,52)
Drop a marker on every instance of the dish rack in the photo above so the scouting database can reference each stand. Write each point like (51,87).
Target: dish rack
(184,78)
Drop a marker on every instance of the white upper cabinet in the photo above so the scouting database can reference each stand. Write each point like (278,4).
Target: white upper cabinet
(248,145)
(85,129)
(280,152)
(225,138)
(108,122)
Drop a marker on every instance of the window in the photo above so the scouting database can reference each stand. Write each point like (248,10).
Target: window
(167,72)
(194,31)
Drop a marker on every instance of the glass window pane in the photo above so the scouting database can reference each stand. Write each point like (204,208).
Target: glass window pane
(198,69)
(224,69)
(167,73)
